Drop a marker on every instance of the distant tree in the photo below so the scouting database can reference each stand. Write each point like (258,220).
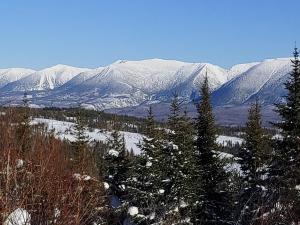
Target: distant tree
(81,154)
(284,178)
(253,160)
(23,130)
(212,204)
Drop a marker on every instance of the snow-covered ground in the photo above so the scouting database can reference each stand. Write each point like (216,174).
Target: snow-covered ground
(65,130)
(18,217)
(223,140)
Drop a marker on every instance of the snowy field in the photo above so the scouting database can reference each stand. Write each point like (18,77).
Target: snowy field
(65,130)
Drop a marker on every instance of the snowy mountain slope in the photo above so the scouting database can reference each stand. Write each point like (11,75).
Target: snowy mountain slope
(13,74)
(265,77)
(146,75)
(46,79)
(190,78)
(240,68)
(273,91)
(130,83)
(79,79)
(121,84)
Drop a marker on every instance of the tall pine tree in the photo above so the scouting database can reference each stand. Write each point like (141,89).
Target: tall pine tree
(211,202)
(253,160)
(284,176)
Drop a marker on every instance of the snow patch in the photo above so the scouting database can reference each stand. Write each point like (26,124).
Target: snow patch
(132,210)
(18,217)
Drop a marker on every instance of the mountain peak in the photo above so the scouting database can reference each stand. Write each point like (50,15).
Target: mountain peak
(127,83)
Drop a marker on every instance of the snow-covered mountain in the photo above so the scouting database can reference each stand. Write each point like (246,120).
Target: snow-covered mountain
(78,79)
(263,81)
(46,79)
(13,74)
(125,84)
(240,68)
(130,83)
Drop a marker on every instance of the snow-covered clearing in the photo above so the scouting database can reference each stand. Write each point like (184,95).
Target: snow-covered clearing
(223,140)
(65,130)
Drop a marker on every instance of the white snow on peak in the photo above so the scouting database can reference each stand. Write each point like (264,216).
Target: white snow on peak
(263,80)
(45,79)
(127,83)
(240,68)
(13,74)
(130,83)
(80,78)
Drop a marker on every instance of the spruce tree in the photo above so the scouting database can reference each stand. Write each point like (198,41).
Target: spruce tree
(253,160)
(176,164)
(116,173)
(80,144)
(145,180)
(211,202)
(284,176)
(24,131)
(173,171)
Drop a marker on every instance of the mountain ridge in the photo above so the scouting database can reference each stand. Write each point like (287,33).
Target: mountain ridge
(125,84)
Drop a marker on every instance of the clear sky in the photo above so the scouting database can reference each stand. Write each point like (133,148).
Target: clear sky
(92,33)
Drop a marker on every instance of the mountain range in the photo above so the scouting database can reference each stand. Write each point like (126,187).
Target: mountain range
(131,86)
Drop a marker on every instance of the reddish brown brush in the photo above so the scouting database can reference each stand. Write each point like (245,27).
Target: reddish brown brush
(43,181)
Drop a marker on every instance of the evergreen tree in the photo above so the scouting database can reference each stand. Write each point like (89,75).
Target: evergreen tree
(80,145)
(211,202)
(116,173)
(24,131)
(284,176)
(173,164)
(253,160)
(179,166)
(145,181)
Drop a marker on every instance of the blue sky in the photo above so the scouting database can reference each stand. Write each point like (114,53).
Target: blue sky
(92,33)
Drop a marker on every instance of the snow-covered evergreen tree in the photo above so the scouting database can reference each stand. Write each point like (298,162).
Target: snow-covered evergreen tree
(253,160)
(177,161)
(80,144)
(144,186)
(284,179)
(116,172)
(212,204)
(23,130)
